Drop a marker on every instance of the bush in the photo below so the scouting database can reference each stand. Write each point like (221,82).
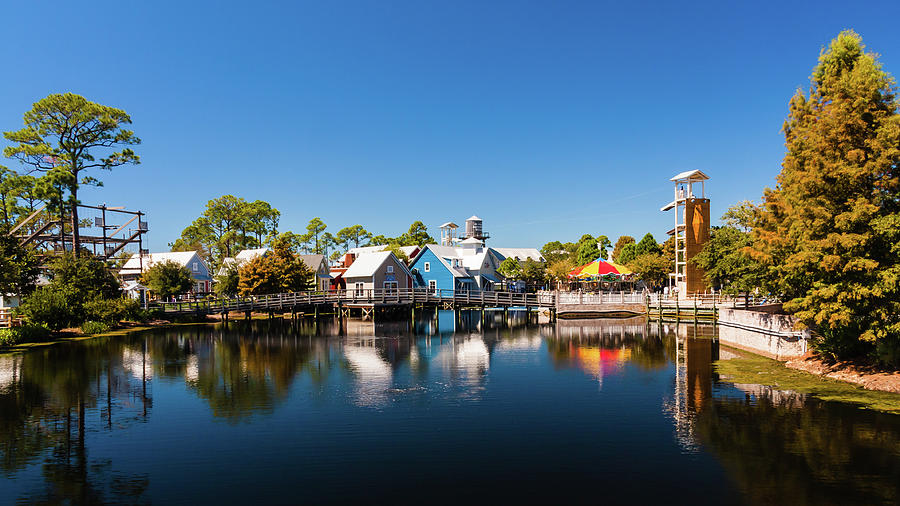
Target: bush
(24,334)
(888,352)
(8,337)
(93,327)
(49,306)
(112,311)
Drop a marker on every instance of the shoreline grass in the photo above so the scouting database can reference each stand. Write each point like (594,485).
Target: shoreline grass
(759,370)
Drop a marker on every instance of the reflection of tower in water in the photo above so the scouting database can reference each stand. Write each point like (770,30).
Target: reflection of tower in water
(695,351)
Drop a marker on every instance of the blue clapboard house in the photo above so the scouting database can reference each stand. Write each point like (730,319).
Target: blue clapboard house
(439,267)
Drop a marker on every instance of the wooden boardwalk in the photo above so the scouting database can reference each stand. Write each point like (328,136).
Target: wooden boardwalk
(563,304)
(341,301)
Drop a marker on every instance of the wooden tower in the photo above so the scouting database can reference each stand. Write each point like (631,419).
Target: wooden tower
(691,230)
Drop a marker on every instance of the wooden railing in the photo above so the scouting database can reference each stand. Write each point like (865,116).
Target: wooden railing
(546,299)
(7,319)
(352,296)
(597,298)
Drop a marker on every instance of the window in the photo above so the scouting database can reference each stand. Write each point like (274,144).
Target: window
(390,288)
(359,289)
(390,269)
(196,267)
(427,266)
(432,285)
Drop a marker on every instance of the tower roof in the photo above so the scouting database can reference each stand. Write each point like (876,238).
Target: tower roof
(692,175)
(474,218)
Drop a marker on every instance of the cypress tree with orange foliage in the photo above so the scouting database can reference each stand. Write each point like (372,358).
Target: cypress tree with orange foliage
(829,233)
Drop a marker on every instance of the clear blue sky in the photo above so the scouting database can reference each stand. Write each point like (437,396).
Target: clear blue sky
(547,119)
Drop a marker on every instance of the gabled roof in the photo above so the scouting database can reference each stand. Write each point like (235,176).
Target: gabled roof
(313,261)
(449,224)
(694,175)
(250,254)
(133,285)
(520,253)
(133,265)
(446,254)
(367,264)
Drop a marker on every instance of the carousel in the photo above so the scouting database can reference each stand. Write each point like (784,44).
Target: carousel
(601,275)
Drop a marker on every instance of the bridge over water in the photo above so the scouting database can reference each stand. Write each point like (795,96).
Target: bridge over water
(367,302)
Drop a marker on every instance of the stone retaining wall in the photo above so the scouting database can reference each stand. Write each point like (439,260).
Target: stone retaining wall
(763,331)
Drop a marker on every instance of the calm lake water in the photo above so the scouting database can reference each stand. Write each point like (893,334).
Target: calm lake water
(443,411)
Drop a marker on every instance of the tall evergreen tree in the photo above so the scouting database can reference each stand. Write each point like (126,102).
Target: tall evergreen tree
(63,136)
(829,233)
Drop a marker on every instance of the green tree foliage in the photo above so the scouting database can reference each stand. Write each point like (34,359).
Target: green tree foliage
(261,220)
(651,268)
(49,306)
(617,250)
(395,249)
(83,278)
(510,269)
(354,234)
(227,280)
(328,243)
(668,251)
(314,230)
(829,233)
(726,257)
(228,225)
(554,251)
(533,272)
(280,271)
(74,282)
(722,259)
(603,243)
(647,245)
(380,240)
(417,235)
(587,251)
(63,136)
(560,269)
(110,312)
(168,278)
(18,267)
(627,254)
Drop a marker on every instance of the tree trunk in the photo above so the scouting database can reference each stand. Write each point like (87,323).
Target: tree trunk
(76,235)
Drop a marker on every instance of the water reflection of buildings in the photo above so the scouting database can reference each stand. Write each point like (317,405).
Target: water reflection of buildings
(602,347)
(462,358)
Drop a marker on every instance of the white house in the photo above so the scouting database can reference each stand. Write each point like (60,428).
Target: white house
(139,264)
(380,270)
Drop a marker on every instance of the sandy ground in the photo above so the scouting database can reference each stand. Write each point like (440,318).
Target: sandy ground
(866,376)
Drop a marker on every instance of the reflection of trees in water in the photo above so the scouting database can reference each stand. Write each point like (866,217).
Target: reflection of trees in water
(242,370)
(824,453)
(45,401)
